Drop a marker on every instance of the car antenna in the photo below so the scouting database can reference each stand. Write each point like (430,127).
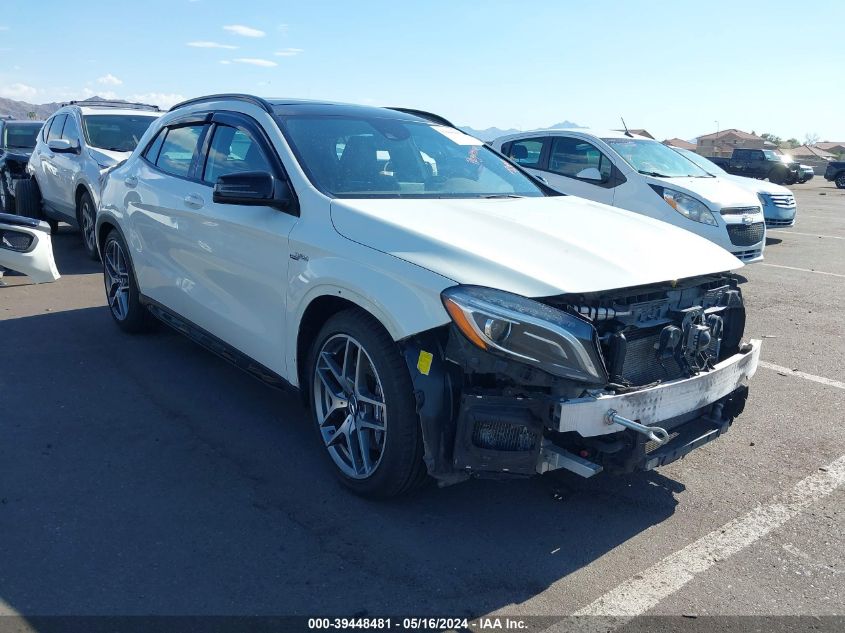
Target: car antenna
(627,133)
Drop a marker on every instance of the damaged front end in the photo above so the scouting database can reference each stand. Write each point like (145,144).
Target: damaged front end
(621,380)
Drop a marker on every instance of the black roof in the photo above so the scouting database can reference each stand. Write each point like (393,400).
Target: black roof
(294,107)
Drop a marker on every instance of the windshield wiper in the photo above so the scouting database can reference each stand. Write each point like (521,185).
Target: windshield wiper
(502,195)
(656,174)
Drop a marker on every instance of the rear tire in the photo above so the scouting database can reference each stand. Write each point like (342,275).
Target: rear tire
(28,199)
(86,215)
(122,295)
(379,394)
(840,180)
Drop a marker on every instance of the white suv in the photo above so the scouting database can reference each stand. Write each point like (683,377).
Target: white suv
(73,148)
(440,310)
(639,174)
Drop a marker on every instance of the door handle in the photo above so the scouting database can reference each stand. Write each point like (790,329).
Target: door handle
(194,200)
(130,181)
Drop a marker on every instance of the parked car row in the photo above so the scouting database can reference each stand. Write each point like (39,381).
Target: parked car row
(71,150)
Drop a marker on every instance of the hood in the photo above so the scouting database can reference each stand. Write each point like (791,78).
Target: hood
(534,247)
(107,157)
(17,154)
(759,186)
(715,192)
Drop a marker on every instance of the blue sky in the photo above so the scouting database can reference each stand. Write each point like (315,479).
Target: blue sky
(673,68)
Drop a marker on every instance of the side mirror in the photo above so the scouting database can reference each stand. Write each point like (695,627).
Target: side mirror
(62,146)
(254,188)
(590,173)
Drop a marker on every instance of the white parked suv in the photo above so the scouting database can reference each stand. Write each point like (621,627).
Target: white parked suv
(440,310)
(76,144)
(639,174)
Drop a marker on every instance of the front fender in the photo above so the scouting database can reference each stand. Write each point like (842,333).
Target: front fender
(403,297)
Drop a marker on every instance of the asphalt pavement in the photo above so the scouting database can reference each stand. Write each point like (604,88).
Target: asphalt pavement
(144,475)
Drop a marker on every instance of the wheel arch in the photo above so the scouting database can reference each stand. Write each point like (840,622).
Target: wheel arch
(81,188)
(323,302)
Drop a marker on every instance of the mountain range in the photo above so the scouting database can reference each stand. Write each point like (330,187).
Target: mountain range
(24,110)
(492,133)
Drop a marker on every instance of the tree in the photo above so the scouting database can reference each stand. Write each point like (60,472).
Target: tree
(30,115)
(771,138)
(791,143)
(811,138)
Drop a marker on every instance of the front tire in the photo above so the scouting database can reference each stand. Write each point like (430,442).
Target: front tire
(777,176)
(840,181)
(122,295)
(86,215)
(28,199)
(363,407)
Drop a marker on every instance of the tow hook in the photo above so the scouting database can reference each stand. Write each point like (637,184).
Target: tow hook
(654,433)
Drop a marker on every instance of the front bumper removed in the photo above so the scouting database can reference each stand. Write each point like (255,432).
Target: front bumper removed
(588,416)
(490,432)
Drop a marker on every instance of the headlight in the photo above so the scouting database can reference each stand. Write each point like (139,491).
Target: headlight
(527,331)
(687,206)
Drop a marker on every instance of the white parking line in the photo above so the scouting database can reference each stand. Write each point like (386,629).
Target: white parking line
(801,374)
(645,590)
(803,270)
(827,237)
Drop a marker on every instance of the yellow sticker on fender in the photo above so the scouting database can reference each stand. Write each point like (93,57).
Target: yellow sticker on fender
(424,362)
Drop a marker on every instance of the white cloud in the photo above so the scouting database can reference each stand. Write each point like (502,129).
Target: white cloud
(246,31)
(21,92)
(205,44)
(288,52)
(225,61)
(254,61)
(109,80)
(161,99)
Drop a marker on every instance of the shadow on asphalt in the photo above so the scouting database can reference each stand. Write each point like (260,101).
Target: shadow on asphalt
(772,240)
(70,255)
(144,475)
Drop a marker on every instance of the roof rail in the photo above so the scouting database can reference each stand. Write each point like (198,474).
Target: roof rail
(112,103)
(261,103)
(429,116)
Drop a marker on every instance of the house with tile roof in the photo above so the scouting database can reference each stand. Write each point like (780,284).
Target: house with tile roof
(680,143)
(724,142)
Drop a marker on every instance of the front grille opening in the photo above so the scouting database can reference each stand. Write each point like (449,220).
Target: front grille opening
(15,240)
(503,436)
(746,234)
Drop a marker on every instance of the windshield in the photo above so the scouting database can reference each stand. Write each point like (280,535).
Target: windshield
(655,159)
(351,157)
(770,155)
(116,132)
(706,165)
(20,135)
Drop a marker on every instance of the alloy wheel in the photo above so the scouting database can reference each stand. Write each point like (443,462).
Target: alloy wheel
(350,407)
(88,223)
(117,280)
